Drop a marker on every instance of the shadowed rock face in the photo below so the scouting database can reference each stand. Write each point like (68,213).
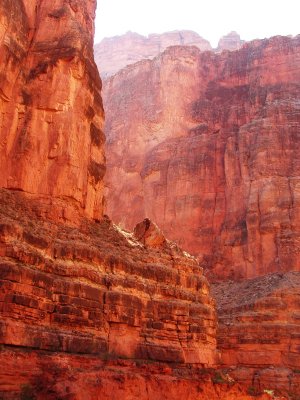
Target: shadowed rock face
(113,54)
(258,330)
(206,146)
(47,77)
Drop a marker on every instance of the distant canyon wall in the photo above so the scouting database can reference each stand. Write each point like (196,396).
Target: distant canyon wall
(115,53)
(207,146)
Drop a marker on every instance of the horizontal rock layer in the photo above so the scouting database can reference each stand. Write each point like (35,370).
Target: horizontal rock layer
(98,291)
(206,146)
(259,331)
(77,377)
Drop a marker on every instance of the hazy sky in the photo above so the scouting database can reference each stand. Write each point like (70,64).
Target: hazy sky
(210,18)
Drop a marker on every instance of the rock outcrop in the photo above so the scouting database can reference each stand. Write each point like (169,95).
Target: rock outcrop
(115,53)
(231,42)
(96,291)
(206,146)
(48,75)
(259,325)
(78,295)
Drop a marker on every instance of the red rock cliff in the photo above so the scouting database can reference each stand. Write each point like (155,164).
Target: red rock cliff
(258,331)
(47,76)
(207,146)
(113,54)
(87,310)
(78,296)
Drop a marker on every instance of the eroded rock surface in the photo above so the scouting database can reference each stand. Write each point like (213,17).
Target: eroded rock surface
(47,77)
(259,331)
(87,310)
(113,54)
(149,234)
(95,379)
(96,290)
(207,146)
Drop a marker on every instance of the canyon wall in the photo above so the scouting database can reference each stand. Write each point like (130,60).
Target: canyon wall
(48,75)
(97,292)
(79,297)
(258,331)
(206,145)
(88,310)
(115,53)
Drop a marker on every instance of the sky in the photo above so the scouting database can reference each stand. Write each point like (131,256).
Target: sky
(211,19)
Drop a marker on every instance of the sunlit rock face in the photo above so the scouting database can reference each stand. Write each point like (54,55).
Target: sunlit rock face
(51,140)
(207,146)
(113,54)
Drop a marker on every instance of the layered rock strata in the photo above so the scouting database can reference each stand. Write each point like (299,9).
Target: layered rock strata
(72,285)
(259,331)
(206,146)
(47,76)
(79,377)
(115,53)
(97,291)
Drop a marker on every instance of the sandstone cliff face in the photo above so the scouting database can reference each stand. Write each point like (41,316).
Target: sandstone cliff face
(207,146)
(97,291)
(48,75)
(113,54)
(88,311)
(77,292)
(258,333)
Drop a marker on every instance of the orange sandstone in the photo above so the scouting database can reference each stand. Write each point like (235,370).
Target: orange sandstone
(206,146)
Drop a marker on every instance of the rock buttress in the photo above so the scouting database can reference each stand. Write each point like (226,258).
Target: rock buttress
(51,139)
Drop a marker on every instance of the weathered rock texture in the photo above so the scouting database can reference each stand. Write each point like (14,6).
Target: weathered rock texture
(259,331)
(52,378)
(47,77)
(96,291)
(75,291)
(230,42)
(87,311)
(207,146)
(113,54)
